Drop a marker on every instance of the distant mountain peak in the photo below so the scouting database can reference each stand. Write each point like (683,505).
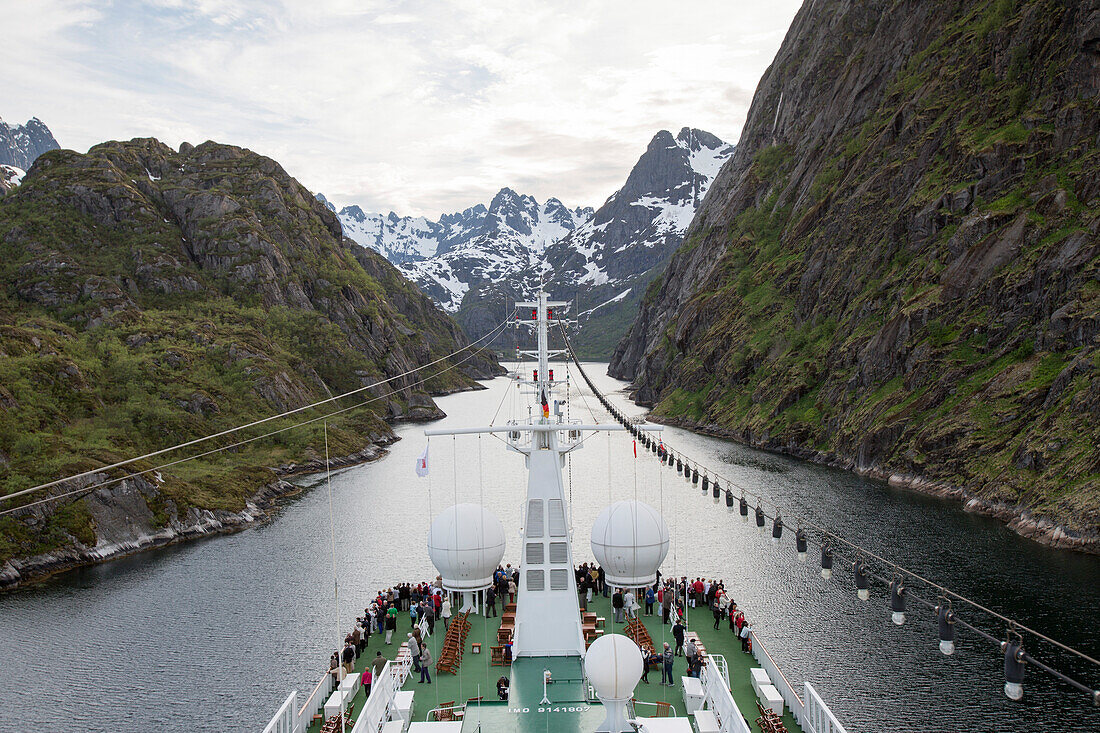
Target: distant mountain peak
(20,145)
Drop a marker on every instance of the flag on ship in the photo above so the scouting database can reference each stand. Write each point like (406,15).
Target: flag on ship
(422,463)
(545,405)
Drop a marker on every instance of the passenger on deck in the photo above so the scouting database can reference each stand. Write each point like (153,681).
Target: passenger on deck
(630,605)
(366,680)
(692,654)
(414,650)
(348,655)
(666,666)
(602,577)
(378,664)
(490,601)
(502,688)
(425,665)
(391,624)
(512,589)
(617,605)
(445,611)
(650,598)
(678,634)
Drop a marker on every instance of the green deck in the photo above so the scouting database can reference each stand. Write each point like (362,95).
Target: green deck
(478,678)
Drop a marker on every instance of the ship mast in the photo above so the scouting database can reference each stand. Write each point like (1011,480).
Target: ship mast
(548,622)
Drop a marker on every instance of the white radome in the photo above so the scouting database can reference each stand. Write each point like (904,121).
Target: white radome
(466,544)
(613,664)
(630,541)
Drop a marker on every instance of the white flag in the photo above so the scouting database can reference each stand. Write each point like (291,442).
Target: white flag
(422,463)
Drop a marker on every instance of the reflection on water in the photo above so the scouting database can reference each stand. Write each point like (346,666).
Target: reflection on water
(210,636)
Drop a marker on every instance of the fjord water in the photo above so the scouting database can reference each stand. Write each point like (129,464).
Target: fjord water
(212,635)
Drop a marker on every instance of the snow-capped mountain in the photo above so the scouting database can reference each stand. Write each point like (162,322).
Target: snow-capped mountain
(606,263)
(21,144)
(482,244)
(474,262)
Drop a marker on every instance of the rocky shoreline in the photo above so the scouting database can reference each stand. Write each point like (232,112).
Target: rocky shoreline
(126,525)
(1018,518)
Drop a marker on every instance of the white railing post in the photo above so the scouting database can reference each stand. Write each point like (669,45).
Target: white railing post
(286,719)
(720,700)
(819,718)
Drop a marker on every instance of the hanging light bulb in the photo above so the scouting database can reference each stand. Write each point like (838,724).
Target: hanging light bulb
(777,528)
(1014,669)
(706,483)
(729,497)
(826,561)
(716,492)
(863,585)
(759,516)
(946,620)
(897,601)
(744,507)
(679,466)
(695,475)
(800,544)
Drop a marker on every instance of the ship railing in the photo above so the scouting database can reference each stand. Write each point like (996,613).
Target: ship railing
(778,679)
(286,720)
(818,718)
(315,701)
(720,700)
(378,707)
(452,709)
(635,703)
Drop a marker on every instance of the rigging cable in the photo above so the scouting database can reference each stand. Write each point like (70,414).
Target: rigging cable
(109,482)
(1013,625)
(254,423)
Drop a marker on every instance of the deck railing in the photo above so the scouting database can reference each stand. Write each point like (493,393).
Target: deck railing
(376,710)
(286,720)
(720,700)
(786,689)
(818,717)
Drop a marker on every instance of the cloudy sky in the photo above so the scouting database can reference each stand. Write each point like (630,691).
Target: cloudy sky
(416,107)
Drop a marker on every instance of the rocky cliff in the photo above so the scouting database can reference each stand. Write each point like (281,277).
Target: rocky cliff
(151,296)
(898,270)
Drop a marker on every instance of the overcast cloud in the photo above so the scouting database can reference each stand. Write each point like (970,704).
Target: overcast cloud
(416,107)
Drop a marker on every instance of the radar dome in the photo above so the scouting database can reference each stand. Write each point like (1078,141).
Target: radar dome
(613,664)
(466,544)
(630,541)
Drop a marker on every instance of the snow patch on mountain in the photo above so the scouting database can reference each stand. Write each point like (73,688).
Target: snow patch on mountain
(493,243)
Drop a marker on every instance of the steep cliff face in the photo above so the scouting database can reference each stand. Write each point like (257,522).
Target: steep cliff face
(899,268)
(151,296)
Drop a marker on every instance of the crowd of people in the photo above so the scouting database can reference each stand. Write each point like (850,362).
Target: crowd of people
(426,604)
(670,597)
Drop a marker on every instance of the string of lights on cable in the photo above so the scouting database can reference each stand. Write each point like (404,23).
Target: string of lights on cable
(866,566)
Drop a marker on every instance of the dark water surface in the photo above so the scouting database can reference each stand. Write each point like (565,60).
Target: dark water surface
(212,635)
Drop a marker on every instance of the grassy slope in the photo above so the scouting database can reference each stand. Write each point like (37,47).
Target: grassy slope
(117,367)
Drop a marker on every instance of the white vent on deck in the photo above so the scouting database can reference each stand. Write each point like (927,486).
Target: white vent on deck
(536,580)
(534,518)
(535,555)
(559,553)
(557,518)
(559,579)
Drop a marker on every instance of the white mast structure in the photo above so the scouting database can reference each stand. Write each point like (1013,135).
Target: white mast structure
(548,621)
